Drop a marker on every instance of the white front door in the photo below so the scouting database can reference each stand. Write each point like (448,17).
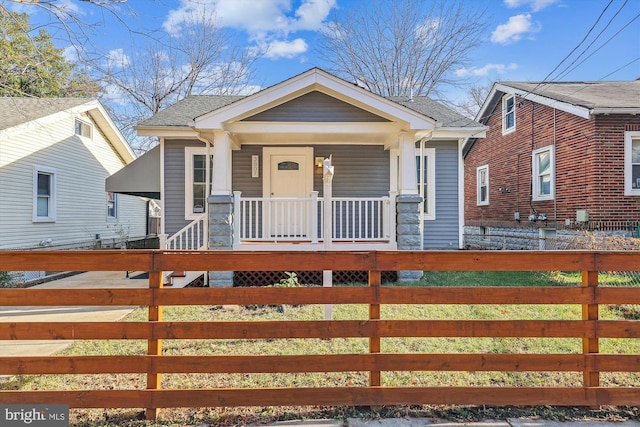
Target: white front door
(288,180)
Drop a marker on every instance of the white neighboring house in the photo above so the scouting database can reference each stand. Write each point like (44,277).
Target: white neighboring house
(55,155)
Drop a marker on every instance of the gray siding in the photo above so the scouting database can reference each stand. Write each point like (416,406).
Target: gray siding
(241,171)
(360,171)
(316,107)
(443,232)
(174,184)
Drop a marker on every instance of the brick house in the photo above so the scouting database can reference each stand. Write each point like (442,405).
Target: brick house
(557,158)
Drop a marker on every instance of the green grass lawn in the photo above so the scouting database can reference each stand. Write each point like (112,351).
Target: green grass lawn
(346,346)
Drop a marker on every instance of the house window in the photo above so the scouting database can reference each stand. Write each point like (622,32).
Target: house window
(543,168)
(426,164)
(632,163)
(482,177)
(508,114)
(44,194)
(112,206)
(196,181)
(82,128)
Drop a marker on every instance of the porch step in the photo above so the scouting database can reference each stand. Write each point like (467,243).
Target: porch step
(180,279)
(174,274)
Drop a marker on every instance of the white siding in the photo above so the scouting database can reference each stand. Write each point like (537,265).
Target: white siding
(82,166)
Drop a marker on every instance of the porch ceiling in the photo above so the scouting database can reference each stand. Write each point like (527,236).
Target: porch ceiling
(384,133)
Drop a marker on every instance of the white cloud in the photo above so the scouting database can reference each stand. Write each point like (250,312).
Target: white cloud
(312,13)
(116,58)
(266,21)
(484,71)
(536,5)
(257,18)
(285,49)
(513,30)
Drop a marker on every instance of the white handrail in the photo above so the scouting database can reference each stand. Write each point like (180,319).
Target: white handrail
(194,236)
(355,219)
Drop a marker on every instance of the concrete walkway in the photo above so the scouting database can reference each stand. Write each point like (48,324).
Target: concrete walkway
(94,279)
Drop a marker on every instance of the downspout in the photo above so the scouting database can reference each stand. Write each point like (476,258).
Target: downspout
(555,176)
(421,191)
(207,186)
(163,200)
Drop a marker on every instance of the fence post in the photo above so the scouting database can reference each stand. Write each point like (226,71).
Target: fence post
(154,346)
(374,314)
(590,313)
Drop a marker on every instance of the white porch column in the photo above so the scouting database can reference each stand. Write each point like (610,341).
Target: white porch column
(220,203)
(221,164)
(408,203)
(408,177)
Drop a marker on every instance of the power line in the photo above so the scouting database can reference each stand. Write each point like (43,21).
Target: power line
(603,45)
(564,72)
(618,69)
(577,46)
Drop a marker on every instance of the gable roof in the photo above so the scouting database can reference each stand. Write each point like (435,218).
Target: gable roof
(23,111)
(583,99)
(16,111)
(185,112)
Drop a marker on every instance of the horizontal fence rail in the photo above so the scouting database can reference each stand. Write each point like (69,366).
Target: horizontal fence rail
(373,328)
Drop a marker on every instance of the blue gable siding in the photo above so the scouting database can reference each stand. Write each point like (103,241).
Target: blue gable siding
(443,232)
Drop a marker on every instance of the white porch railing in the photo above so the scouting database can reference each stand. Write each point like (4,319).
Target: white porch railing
(194,236)
(364,219)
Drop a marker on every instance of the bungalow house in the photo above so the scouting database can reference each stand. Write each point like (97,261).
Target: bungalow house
(254,172)
(54,157)
(558,158)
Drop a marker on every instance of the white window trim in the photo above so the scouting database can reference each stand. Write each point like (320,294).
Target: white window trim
(629,137)
(52,198)
(430,153)
(479,201)
(84,122)
(534,174)
(505,129)
(115,206)
(189,152)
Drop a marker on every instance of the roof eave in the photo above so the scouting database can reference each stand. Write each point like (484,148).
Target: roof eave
(460,132)
(166,131)
(613,110)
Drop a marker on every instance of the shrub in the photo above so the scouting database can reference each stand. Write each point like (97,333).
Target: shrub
(5,280)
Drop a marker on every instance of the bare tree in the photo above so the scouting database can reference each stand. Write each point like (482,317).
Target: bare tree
(67,21)
(471,104)
(401,47)
(202,60)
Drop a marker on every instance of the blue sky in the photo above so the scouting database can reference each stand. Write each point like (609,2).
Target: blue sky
(525,40)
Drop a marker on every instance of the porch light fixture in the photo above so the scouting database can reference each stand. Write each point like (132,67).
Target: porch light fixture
(319,161)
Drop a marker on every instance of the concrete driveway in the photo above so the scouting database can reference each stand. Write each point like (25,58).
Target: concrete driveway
(94,279)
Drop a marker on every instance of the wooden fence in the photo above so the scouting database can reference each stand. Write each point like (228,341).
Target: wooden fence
(590,329)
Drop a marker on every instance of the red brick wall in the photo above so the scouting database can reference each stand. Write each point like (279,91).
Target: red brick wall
(589,175)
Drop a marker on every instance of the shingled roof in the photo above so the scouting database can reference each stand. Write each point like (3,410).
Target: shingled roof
(183,112)
(16,111)
(592,95)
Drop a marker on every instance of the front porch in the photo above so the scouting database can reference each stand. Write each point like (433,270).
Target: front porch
(278,223)
(348,223)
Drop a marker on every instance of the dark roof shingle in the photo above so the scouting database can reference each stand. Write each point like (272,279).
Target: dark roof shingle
(15,111)
(183,112)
